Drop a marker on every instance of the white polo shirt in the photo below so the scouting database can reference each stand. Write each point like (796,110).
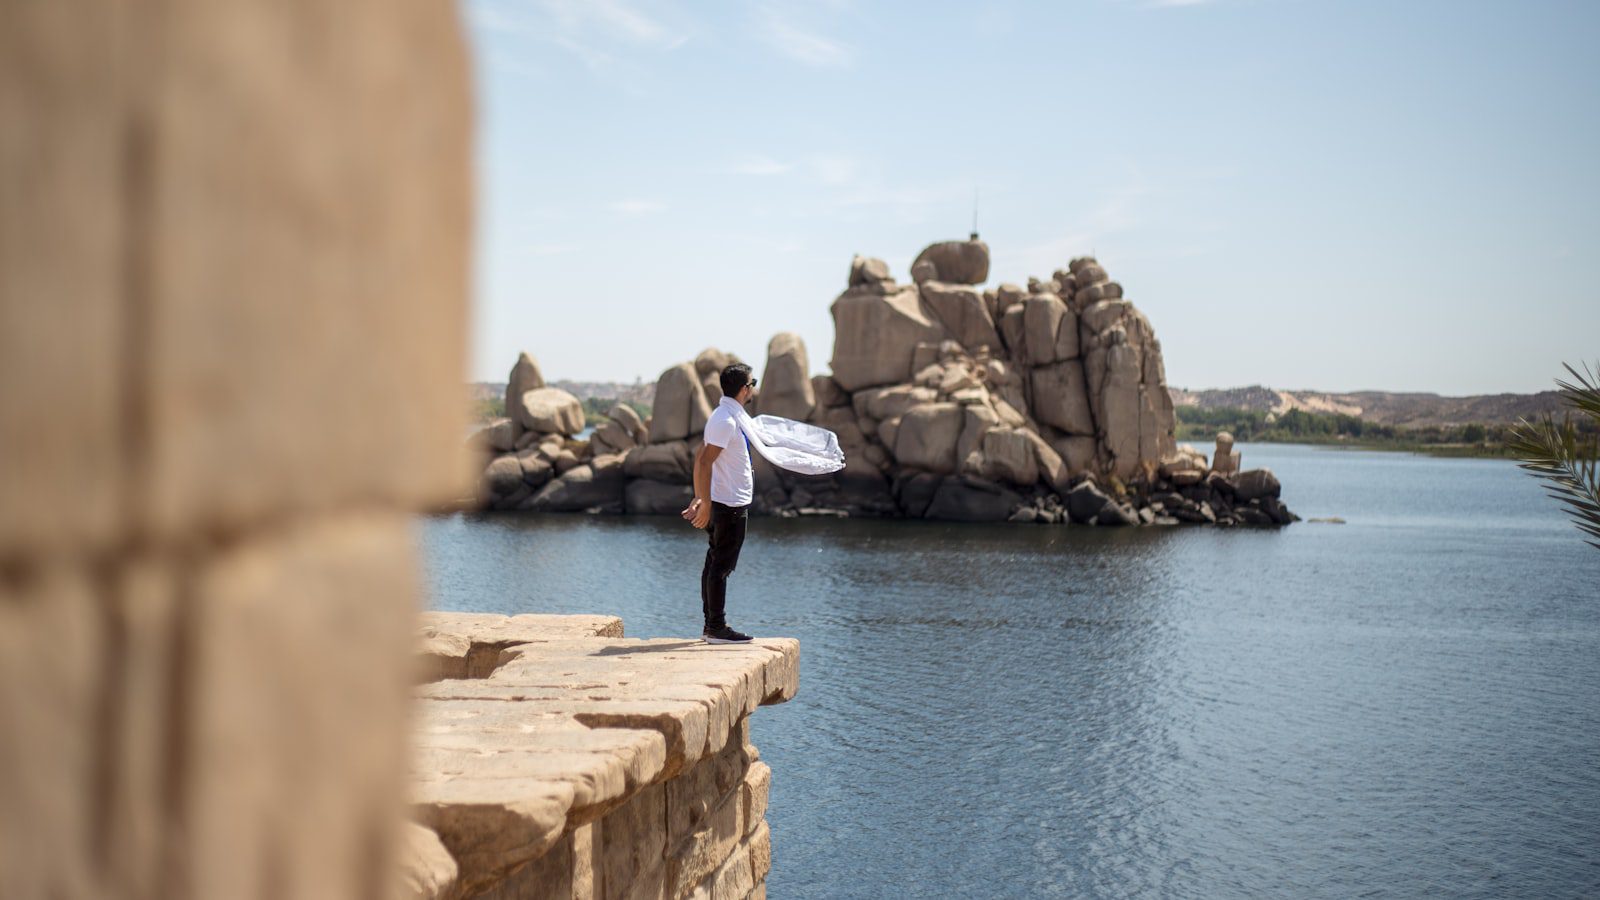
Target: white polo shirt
(733,480)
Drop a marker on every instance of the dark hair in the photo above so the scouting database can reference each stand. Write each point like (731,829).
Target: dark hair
(734,378)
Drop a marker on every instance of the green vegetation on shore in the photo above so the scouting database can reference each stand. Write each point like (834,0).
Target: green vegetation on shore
(595,408)
(485,409)
(1301,427)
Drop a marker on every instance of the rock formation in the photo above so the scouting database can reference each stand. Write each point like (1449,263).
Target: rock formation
(1044,404)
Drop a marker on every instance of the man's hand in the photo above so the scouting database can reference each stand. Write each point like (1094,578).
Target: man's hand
(702,516)
(690,510)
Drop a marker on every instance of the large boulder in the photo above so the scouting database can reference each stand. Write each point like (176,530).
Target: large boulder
(969,500)
(1052,468)
(525,377)
(1061,398)
(611,436)
(842,421)
(644,497)
(628,418)
(503,475)
(1051,330)
(681,408)
(550,410)
(536,470)
(785,388)
(927,437)
(914,491)
(875,336)
(963,313)
(1126,381)
(828,392)
(1078,452)
(1255,484)
(958,262)
(670,462)
(1085,501)
(1114,513)
(868,271)
(1010,457)
(976,422)
(1014,331)
(1226,459)
(499,435)
(588,486)
(708,366)
(886,403)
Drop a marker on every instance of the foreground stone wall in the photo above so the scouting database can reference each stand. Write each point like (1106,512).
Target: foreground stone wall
(230,231)
(578,764)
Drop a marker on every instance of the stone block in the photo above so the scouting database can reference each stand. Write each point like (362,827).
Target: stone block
(761,852)
(298,643)
(755,791)
(634,840)
(65,370)
(52,672)
(146,621)
(703,788)
(426,870)
(708,846)
(303,213)
(733,879)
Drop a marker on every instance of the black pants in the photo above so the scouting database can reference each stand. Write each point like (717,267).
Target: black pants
(727,536)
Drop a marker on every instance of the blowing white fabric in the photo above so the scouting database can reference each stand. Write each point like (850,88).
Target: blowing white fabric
(788,444)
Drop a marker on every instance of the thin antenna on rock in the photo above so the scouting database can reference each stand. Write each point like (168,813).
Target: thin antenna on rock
(974,214)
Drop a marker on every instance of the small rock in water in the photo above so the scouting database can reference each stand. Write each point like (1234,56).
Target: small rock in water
(1328,520)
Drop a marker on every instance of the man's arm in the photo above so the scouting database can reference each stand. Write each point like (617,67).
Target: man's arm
(703,458)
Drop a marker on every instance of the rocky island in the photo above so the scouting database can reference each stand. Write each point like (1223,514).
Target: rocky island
(1046,403)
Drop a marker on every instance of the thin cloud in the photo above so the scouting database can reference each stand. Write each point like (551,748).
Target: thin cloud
(598,33)
(637,207)
(762,165)
(835,170)
(629,22)
(610,20)
(803,46)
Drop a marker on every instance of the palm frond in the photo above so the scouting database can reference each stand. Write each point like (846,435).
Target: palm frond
(1567,462)
(1585,395)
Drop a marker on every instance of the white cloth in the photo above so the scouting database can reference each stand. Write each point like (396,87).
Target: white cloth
(733,480)
(788,444)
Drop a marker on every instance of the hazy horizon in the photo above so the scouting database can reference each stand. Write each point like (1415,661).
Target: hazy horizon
(1303,195)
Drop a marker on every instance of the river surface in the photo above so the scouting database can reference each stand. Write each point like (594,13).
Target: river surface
(1406,705)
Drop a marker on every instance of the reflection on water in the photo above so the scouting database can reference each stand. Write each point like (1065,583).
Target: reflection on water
(1405,705)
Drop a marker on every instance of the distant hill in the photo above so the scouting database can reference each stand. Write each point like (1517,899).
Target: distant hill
(1382,407)
(641,392)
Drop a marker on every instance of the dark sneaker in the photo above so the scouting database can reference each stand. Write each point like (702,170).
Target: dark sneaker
(724,635)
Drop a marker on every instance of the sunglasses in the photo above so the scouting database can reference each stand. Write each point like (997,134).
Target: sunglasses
(752,383)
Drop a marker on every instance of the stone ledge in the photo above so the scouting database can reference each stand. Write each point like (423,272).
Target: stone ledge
(566,727)
(468,645)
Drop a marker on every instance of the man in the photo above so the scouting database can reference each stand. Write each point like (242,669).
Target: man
(724,485)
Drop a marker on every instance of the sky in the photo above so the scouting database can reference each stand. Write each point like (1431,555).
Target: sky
(1306,194)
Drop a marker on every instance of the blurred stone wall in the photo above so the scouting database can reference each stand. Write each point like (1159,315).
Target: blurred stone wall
(233,284)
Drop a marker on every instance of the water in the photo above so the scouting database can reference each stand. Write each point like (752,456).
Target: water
(1405,705)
